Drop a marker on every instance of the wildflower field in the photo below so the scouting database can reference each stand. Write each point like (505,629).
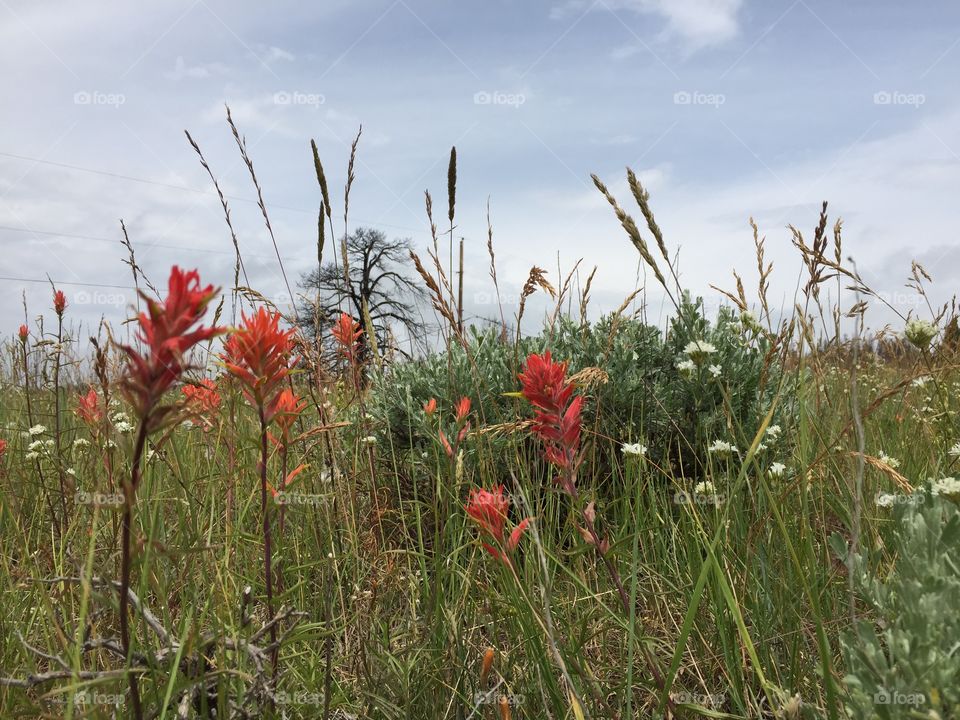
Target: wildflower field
(221,510)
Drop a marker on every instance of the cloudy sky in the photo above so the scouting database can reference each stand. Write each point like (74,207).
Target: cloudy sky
(726,109)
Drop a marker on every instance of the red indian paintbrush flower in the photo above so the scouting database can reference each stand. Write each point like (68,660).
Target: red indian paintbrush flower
(430,407)
(461,413)
(286,409)
(347,333)
(557,417)
(88,407)
(202,397)
(258,353)
(168,329)
(23,333)
(3,448)
(59,302)
(488,508)
(462,409)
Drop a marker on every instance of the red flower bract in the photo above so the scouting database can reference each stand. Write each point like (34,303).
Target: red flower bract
(23,333)
(3,447)
(285,409)
(258,353)
(557,417)
(489,509)
(168,329)
(88,407)
(59,302)
(202,399)
(347,333)
(430,407)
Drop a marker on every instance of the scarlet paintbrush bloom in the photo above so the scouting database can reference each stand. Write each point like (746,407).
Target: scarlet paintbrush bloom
(489,509)
(59,302)
(258,353)
(347,333)
(88,407)
(462,409)
(202,398)
(286,409)
(557,417)
(23,333)
(430,407)
(3,448)
(168,330)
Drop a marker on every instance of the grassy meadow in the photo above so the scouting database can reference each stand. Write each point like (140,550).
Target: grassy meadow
(741,513)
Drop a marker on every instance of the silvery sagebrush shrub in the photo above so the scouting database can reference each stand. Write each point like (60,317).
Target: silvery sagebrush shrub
(648,397)
(903,656)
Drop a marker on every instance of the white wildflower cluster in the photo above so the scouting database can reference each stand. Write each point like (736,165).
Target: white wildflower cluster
(722,447)
(634,449)
(37,430)
(369,440)
(776,470)
(948,487)
(750,322)
(703,488)
(920,332)
(955,450)
(81,442)
(887,460)
(699,350)
(121,421)
(715,370)
(921,381)
(686,366)
(886,500)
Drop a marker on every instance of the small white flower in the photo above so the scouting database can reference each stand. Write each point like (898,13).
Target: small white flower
(886,500)
(777,469)
(48,443)
(887,460)
(149,455)
(120,417)
(703,488)
(187,424)
(123,427)
(722,447)
(32,455)
(920,381)
(715,370)
(774,431)
(35,445)
(369,440)
(699,350)
(955,450)
(71,472)
(81,442)
(949,486)
(686,366)
(636,449)
(37,430)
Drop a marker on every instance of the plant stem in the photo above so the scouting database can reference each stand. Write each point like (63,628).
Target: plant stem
(130,497)
(267,550)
